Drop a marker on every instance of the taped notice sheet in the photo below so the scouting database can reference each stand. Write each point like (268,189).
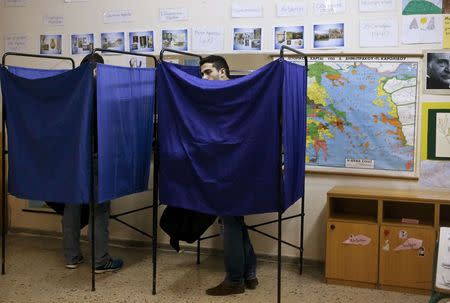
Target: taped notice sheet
(435,173)
(410,244)
(357,240)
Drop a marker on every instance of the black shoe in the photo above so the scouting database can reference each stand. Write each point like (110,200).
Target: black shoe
(74,264)
(111,265)
(226,288)
(251,283)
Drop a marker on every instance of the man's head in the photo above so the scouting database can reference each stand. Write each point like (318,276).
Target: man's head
(214,68)
(438,67)
(95,58)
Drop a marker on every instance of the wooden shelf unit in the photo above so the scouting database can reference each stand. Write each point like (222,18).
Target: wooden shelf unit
(377,214)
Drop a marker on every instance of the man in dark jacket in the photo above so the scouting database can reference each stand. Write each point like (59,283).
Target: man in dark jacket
(239,257)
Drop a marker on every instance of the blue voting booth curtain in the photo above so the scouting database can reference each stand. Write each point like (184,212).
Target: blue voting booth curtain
(219,141)
(125,101)
(49,128)
(32,73)
(294,131)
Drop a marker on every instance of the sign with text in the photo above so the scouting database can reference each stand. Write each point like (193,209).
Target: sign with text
(207,39)
(120,16)
(378,33)
(15,3)
(410,244)
(173,14)
(54,20)
(16,43)
(376,5)
(246,10)
(361,240)
(291,9)
(360,163)
(329,7)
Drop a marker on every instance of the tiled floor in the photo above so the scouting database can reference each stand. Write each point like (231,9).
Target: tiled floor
(36,273)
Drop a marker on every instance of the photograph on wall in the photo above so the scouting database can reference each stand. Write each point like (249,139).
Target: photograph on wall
(419,7)
(50,45)
(82,44)
(113,41)
(247,38)
(141,42)
(437,72)
(438,147)
(328,35)
(175,39)
(292,36)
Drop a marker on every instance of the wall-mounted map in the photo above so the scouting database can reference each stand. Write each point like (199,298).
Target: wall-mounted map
(362,114)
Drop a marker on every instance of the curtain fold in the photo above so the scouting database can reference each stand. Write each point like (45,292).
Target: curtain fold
(32,73)
(294,131)
(125,102)
(48,117)
(219,141)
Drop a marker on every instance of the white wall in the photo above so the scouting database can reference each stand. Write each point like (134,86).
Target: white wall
(85,17)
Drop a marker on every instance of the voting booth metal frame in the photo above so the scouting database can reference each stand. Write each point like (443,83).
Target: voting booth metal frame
(155,202)
(94,140)
(5,151)
(280,173)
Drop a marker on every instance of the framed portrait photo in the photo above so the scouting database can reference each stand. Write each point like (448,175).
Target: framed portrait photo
(437,72)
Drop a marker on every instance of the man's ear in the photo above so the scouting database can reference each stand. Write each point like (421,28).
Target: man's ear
(223,73)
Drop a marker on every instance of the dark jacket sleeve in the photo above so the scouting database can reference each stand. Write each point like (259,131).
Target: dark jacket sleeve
(184,225)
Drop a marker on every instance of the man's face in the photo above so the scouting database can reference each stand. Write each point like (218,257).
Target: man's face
(209,72)
(439,68)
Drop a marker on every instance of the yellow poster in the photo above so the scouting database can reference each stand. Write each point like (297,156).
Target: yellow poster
(446,32)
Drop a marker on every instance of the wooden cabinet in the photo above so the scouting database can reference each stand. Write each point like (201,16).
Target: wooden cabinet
(383,238)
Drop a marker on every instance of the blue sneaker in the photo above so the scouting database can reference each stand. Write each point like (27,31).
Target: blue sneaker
(74,264)
(111,265)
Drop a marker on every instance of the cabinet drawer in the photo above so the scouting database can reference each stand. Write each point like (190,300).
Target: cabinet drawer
(348,261)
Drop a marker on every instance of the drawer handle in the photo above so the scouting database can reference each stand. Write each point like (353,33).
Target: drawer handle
(332,226)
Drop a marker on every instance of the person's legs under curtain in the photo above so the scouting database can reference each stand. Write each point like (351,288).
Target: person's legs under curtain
(250,260)
(239,259)
(233,249)
(71,235)
(102,211)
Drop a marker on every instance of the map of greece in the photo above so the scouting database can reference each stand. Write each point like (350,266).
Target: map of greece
(362,113)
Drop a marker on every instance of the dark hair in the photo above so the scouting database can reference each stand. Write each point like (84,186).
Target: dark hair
(95,58)
(218,62)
